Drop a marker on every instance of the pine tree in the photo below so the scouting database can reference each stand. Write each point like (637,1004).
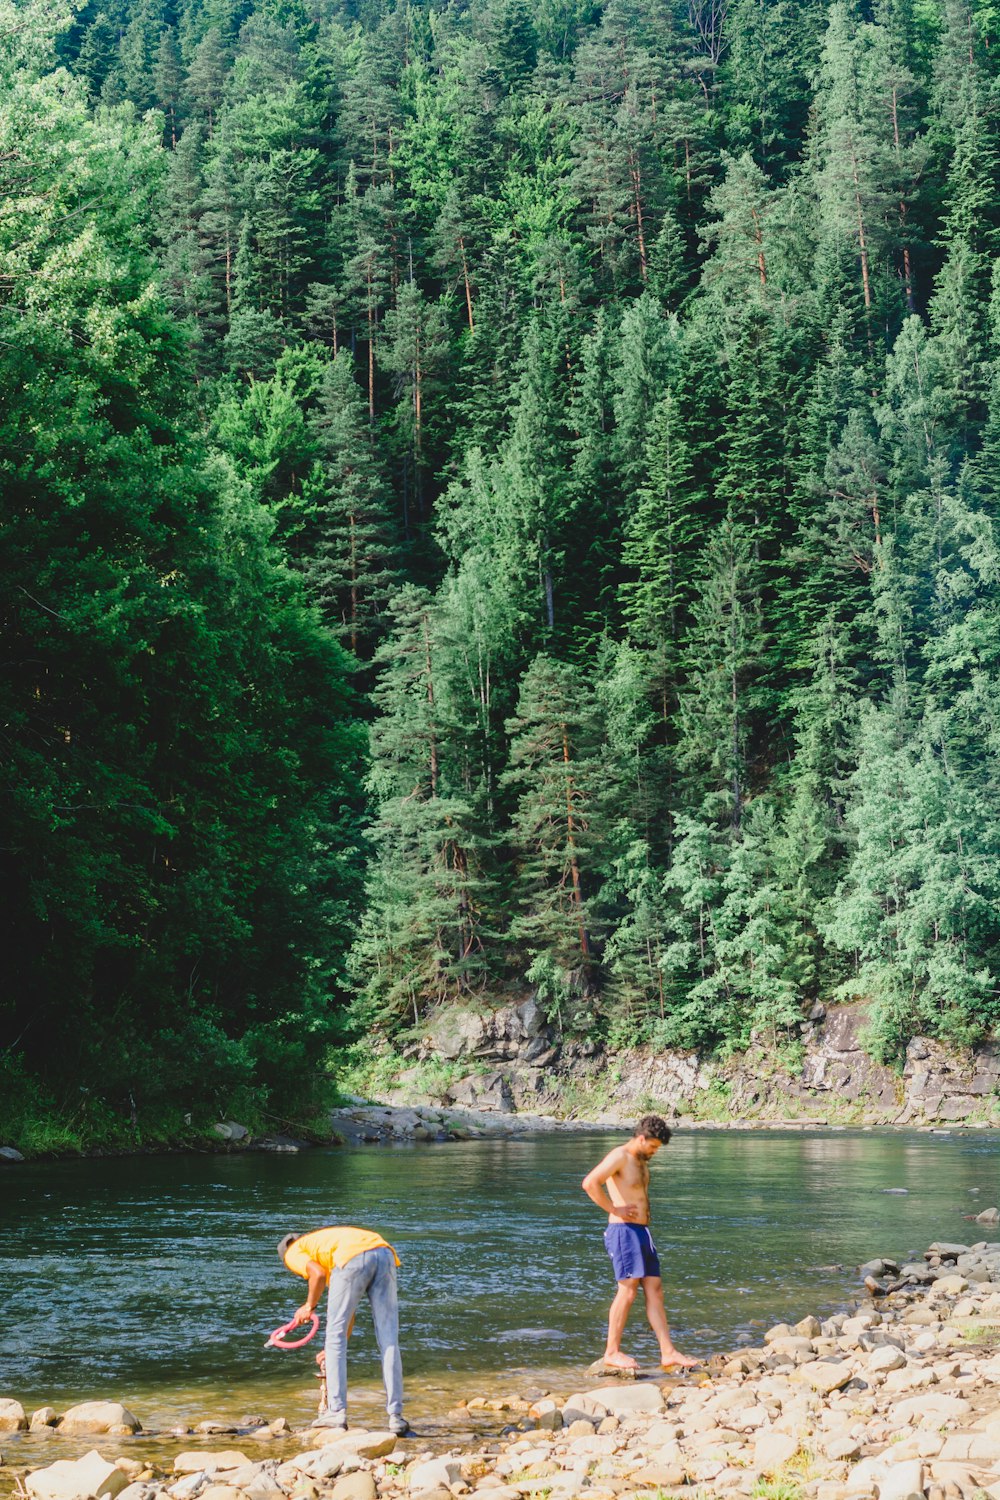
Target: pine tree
(414,348)
(168,76)
(725,648)
(425,930)
(557,828)
(348,551)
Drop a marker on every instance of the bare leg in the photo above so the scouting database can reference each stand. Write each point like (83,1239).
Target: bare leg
(652,1290)
(617,1318)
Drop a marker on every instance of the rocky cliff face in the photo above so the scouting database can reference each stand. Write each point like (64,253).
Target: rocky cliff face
(512,1060)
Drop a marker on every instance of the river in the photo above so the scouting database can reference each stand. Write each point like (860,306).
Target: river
(154,1280)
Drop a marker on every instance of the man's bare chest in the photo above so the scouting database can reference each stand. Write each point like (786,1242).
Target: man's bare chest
(633,1176)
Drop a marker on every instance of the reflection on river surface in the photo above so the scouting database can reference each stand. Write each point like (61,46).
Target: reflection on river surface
(154,1280)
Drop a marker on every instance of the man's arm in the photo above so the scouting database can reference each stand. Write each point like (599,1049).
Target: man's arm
(316,1278)
(593,1186)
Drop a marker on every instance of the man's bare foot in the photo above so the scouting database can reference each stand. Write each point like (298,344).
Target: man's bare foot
(620,1361)
(672,1359)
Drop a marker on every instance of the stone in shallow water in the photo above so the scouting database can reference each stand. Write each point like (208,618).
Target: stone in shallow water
(12,1418)
(100,1416)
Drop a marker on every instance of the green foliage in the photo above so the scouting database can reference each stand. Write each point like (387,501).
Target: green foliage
(620,385)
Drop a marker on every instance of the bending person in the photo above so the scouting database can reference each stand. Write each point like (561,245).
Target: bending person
(351,1263)
(619,1185)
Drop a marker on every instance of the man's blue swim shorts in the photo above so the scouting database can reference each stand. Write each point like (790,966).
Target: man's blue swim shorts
(632,1251)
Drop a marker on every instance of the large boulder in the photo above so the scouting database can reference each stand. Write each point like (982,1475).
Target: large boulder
(229,1130)
(12,1418)
(8,1153)
(100,1416)
(456,1033)
(483,1091)
(358,1444)
(89,1478)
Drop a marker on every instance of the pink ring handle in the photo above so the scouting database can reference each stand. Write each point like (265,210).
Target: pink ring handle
(276,1341)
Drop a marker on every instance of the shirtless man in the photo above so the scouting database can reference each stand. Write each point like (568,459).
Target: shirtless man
(619,1185)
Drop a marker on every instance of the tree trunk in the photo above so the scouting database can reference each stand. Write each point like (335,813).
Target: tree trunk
(571,845)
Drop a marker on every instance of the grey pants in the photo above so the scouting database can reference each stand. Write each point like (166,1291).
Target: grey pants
(371,1274)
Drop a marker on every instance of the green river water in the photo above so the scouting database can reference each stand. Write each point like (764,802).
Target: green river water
(154,1280)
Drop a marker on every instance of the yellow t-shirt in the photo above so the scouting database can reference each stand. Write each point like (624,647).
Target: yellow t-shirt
(332,1247)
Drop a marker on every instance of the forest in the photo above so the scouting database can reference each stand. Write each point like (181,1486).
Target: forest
(498,495)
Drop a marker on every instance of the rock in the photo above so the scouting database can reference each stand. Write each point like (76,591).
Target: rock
(433,1473)
(658,1476)
(489,1091)
(886,1358)
(322,1463)
(578,1428)
(230,1131)
(842,1448)
(7,1153)
(359,1444)
(772,1450)
(629,1398)
(45,1416)
(221,1492)
(257,1482)
(89,1478)
(134,1491)
(99,1416)
(188,1486)
(12,1418)
(797,1349)
(583,1406)
(931,1408)
(209,1461)
(358,1486)
(808,1328)
(989,1216)
(547,1415)
(779,1331)
(900,1481)
(824,1376)
(951,1286)
(956,1107)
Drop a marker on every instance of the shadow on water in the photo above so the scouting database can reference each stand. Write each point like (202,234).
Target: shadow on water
(155,1280)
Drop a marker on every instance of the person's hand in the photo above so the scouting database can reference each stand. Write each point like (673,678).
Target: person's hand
(627,1211)
(303,1314)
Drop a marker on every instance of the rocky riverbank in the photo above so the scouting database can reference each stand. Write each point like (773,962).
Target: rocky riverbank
(510,1060)
(896,1398)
